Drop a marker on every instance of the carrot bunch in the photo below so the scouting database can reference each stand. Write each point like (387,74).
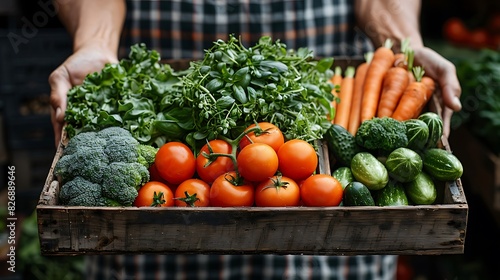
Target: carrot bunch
(386,84)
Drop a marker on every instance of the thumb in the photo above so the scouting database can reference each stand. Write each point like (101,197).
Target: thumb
(60,84)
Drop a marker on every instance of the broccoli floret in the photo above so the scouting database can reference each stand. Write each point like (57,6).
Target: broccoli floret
(83,140)
(87,162)
(113,131)
(111,159)
(81,192)
(382,134)
(147,155)
(122,149)
(122,180)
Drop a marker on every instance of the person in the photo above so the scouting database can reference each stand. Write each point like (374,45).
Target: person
(101,30)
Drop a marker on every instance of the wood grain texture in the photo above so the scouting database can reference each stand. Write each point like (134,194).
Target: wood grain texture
(438,229)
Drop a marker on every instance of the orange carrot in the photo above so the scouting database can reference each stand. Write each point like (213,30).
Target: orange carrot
(413,99)
(336,80)
(345,95)
(357,95)
(395,82)
(383,59)
(430,86)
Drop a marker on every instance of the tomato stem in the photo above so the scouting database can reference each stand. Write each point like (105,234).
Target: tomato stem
(234,147)
(189,199)
(158,199)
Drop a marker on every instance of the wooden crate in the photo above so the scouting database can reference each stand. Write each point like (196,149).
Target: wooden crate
(404,230)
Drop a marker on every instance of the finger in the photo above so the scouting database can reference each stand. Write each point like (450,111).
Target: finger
(451,90)
(447,114)
(444,73)
(59,86)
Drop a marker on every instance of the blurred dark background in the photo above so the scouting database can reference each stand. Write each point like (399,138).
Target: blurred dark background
(33,43)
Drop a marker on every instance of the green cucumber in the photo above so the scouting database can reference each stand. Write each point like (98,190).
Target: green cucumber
(422,190)
(392,195)
(403,164)
(341,145)
(442,164)
(417,132)
(357,194)
(344,175)
(435,125)
(368,170)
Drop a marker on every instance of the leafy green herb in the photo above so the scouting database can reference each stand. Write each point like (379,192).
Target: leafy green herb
(128,94)
(266,82)
(230,88)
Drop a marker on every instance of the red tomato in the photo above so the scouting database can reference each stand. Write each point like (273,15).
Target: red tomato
(154,175)
(155,194)
(455,30)
(297,159)
(192,192)
(271,135)
(175,162)
(257,162)
(226,191)
(321,190)
(277,191)
(219,165)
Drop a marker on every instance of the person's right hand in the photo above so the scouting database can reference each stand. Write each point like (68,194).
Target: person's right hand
(87,59)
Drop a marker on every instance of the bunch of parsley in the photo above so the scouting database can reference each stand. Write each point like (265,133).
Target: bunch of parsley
(230,88)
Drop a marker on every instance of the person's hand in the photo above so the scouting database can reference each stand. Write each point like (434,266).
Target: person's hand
(444,73)
(88,59)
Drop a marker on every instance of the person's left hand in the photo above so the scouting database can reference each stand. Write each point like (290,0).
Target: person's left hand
(444,73)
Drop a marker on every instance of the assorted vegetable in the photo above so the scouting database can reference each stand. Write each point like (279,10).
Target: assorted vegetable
(405,172)
(239,129)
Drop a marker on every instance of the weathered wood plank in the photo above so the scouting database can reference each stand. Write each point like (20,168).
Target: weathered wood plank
(433,229)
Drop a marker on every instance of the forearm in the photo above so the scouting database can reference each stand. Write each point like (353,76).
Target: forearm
(390,19)
(93,21)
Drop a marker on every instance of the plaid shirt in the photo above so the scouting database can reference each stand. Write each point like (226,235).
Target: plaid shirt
(240,267)
(185,29)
